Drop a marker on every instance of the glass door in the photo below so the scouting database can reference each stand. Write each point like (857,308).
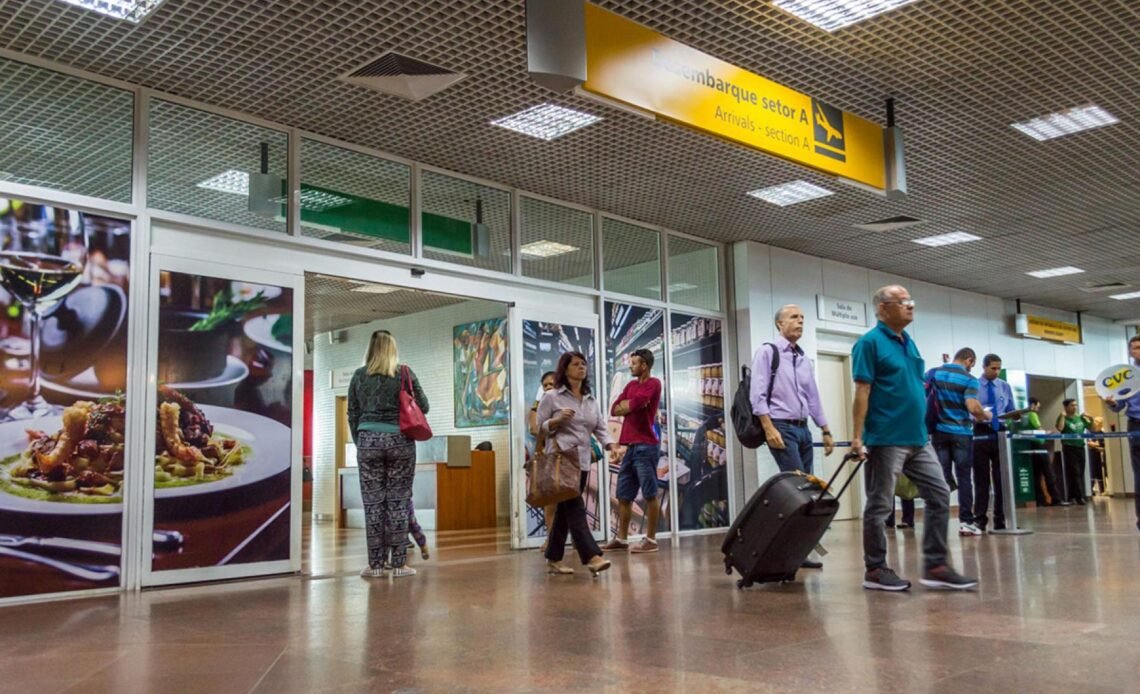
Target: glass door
(221,499)
(537,342)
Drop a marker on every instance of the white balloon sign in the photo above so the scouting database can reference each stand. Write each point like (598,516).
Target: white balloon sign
(1121,381)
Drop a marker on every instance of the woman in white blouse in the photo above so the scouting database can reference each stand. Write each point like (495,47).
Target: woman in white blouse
(569,415)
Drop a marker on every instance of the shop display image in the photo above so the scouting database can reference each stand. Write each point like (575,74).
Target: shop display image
(64,283)
(480,362)
(543,344)
(223,416)
(698,383)
(628,329)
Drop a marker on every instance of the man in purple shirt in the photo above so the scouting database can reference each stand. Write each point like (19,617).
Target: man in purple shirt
(795,397)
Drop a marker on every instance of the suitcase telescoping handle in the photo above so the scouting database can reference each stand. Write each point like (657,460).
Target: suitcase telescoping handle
(855,471)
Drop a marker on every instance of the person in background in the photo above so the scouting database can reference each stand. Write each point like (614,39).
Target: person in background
(386,458)
(996,396)
(1073,450)
(547,382)
(889,412)
(637,405)
(794,398)
(1131,408)
(417,531)
(569,415)
(1046,486)
(956,393)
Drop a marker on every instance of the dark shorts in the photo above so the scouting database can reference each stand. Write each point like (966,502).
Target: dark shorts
(638,471)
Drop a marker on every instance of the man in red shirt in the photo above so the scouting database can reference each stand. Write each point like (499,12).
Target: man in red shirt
(638,405)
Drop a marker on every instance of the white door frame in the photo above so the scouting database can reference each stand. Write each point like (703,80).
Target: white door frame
(295,282)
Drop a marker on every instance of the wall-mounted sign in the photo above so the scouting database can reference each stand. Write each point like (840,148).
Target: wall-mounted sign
(340,378)
(1047,329)
(1121,382)
(630,63)
(841,310)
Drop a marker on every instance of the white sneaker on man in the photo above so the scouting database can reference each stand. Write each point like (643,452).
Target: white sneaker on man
(969,530)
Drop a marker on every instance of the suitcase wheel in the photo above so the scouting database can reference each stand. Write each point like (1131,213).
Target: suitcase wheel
(790,578)
(741,584)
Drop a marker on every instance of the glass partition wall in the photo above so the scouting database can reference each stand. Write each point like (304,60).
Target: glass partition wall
(163,159)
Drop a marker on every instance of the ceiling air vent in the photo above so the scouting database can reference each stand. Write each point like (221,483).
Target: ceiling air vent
(890,224)
(1096,287)
(402,76)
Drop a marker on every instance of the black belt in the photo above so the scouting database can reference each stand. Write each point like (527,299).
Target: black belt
(792,422)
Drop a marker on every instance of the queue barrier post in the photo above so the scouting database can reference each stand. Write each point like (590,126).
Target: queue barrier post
(1005,462)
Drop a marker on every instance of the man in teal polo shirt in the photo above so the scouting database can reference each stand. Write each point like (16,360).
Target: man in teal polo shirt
(889,414)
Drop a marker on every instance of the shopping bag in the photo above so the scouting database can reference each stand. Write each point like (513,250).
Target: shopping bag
(905,489)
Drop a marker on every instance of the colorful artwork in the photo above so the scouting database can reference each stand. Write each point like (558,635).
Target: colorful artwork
(480,364)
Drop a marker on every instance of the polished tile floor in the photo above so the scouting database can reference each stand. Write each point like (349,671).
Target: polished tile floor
(1057,611)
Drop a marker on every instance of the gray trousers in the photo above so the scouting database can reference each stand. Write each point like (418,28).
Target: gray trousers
(921,465)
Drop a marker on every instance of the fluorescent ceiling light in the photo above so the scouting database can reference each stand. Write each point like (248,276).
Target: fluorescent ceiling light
(547,121)
(1066,122)
(318,200)
(673,288)
(1055,272)
(790,193)
(232,181)
(947,239)
(375,289)
(129,10)
(1125,297)
(831,15)
(547,249)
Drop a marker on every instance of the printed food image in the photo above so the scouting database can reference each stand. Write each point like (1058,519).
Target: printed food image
(187,450)
(82,462)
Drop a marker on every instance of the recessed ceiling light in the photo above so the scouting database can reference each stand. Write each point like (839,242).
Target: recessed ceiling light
(547,121)
(1066,122)
(129,10)
(1125,297)
(375,289)
(790,193)
(830,15)
(1055,272)
(232,181)
(547,249)
(947,239)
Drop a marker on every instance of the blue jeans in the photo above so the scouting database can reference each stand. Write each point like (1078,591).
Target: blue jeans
(882,469)
(956,453)
(797,452)
(638,471)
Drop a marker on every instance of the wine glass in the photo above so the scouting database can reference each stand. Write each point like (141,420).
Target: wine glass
(43,254)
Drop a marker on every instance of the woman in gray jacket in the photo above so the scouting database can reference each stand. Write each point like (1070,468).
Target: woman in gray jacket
(387,458)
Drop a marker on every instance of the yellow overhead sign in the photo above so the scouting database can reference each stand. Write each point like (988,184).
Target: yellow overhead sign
(1056,330)
(634,65)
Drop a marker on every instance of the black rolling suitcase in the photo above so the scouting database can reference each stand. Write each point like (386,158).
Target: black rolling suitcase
(782,522)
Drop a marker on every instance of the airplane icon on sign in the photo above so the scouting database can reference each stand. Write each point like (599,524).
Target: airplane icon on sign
(821,120)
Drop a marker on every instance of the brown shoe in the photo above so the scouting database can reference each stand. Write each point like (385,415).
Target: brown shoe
(557,568)
(644,547)
(597,565)
(616,545)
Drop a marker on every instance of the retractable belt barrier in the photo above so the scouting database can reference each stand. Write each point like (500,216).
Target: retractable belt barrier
(1033,437)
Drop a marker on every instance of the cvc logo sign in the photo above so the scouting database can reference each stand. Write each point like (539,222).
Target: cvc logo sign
(1121,382)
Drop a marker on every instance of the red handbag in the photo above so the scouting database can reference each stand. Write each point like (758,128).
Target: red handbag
(413,423)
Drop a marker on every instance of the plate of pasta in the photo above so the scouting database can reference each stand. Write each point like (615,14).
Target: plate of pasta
(74,463)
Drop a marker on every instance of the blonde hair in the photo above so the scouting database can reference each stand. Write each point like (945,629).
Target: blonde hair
(383,355)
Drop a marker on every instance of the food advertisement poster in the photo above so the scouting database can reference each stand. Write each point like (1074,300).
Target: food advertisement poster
(223,438)
(543,344)
(698,383)
(628,329)
(64,283)
(480,362)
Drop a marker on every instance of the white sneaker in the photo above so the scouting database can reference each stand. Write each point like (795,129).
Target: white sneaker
(969,530)
(373,573)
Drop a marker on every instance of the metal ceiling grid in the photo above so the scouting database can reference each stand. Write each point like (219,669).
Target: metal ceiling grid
(961,71)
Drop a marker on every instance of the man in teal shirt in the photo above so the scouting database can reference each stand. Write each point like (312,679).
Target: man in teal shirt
(890,416)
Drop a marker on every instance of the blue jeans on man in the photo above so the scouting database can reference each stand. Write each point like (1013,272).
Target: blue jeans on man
(638,472)
(956,453)
(1134,445)
(796,455)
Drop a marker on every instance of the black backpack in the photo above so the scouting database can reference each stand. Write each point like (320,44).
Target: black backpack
(747,426)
